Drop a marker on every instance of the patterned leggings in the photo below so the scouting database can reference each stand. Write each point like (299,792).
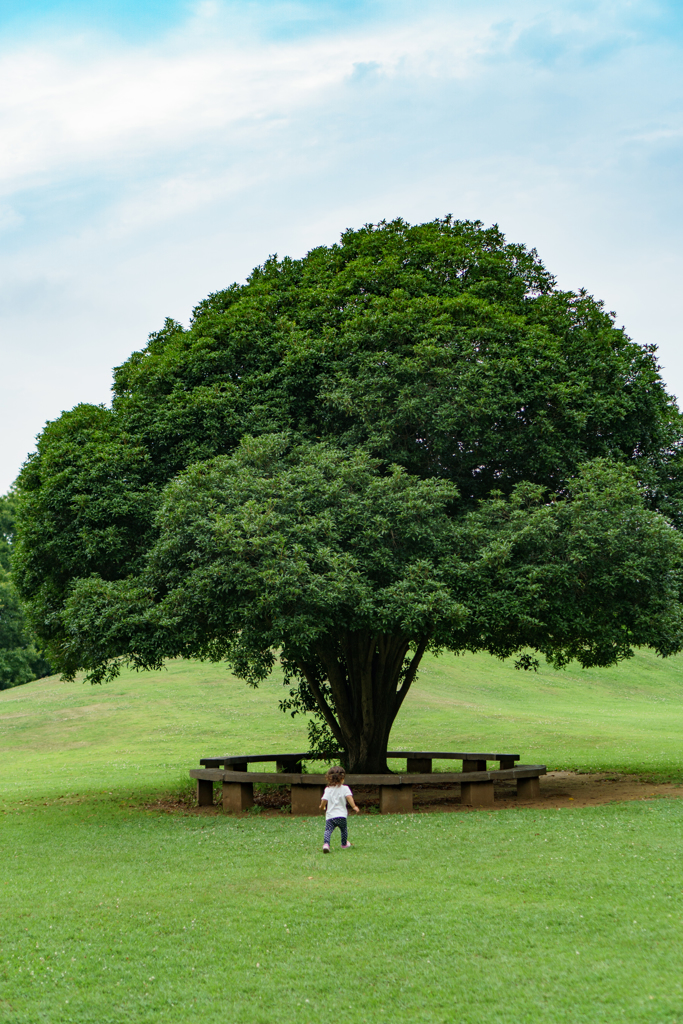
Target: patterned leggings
(330,826)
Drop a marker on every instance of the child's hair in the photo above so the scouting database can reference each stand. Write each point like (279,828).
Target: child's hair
(335,775)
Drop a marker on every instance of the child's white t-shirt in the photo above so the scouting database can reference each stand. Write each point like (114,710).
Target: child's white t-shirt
(336,801)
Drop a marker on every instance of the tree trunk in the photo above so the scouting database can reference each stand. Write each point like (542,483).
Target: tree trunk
(369,675)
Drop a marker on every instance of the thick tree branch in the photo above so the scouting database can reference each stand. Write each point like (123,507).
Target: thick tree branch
(366,685)
(337,678)
(372,648)
(322,703)
(410,673)
(396,656)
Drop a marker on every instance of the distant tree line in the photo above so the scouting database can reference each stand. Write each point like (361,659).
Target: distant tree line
(20,659)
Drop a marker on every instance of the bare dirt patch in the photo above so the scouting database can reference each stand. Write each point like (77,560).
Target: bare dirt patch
(584,790)
(558,789)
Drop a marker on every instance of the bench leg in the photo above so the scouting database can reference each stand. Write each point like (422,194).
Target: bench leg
(421,765)
(395,799)
(476,794)
(238,796)
(306,799)
(529,789)
(204,793)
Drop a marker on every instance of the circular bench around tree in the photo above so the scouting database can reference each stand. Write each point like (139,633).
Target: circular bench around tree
(395,790)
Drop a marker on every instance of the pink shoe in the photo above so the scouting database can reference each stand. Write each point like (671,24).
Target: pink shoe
(347,847)
(326,847)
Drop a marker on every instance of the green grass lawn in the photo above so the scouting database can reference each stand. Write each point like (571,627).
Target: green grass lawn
(628,718)
(546,917)
(114,913)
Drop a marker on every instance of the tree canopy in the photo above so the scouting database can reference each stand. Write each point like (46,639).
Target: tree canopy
(411,440)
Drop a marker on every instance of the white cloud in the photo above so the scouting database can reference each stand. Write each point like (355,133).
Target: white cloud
(135,179)
(83,101)
(64,107)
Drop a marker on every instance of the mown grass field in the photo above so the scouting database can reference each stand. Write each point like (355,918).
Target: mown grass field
(115,913)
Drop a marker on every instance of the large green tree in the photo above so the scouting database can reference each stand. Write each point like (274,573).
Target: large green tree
(411,440)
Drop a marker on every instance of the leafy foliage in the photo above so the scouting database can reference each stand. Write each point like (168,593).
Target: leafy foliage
(409,440)
(20,661)
(351,572)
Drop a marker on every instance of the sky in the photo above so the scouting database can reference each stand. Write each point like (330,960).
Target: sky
(153,152)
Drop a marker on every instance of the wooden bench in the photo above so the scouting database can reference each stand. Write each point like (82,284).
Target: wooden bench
(395,791)
(479,793)
(239,762)
(421,760)
(417,760)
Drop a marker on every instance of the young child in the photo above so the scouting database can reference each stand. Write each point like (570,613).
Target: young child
(334,801)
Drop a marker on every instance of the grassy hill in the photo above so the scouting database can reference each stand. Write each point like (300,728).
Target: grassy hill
(114,912)
(146,729)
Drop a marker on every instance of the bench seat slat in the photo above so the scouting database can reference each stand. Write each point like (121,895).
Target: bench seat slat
(524,771)
(251,758)
(449,755)
(306,755)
